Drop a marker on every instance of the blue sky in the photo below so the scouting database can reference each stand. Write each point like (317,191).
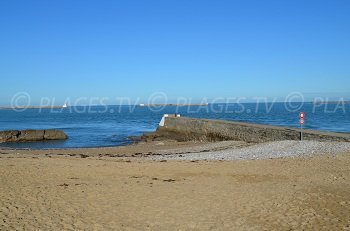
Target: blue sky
(185,48)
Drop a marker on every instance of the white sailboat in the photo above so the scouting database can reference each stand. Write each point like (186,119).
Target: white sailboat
(64,105)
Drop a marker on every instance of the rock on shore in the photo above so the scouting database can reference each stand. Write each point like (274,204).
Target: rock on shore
(31,135)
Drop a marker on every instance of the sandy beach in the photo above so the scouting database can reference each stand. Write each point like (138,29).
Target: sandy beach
(65,190)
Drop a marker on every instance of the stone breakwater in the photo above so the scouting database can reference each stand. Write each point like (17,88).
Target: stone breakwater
(31,135)
(182,129)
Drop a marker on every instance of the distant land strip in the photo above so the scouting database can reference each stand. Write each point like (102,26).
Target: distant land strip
(331,102)
(171,104)
(32,107)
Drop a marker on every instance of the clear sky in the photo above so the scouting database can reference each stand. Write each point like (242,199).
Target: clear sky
(185,48)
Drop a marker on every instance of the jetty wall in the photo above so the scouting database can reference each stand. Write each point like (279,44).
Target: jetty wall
(204,129)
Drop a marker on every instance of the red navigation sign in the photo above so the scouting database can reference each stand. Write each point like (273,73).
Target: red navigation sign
(301,117)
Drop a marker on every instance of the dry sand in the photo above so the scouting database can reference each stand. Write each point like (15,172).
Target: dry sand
(67,192)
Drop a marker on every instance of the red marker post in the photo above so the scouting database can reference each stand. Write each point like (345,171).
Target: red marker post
(301,120)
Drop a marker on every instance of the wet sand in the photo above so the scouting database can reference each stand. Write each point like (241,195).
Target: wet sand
(64,192)
(142,149)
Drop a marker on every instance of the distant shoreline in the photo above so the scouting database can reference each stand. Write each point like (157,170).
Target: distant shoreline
(172,104)
(332,102)
(33,107)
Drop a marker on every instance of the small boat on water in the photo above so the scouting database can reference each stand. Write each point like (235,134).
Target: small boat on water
(64,105)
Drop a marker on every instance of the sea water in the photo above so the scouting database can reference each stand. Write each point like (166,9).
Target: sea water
(105,126)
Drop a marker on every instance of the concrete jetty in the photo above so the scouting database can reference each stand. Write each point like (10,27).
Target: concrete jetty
(184,128)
